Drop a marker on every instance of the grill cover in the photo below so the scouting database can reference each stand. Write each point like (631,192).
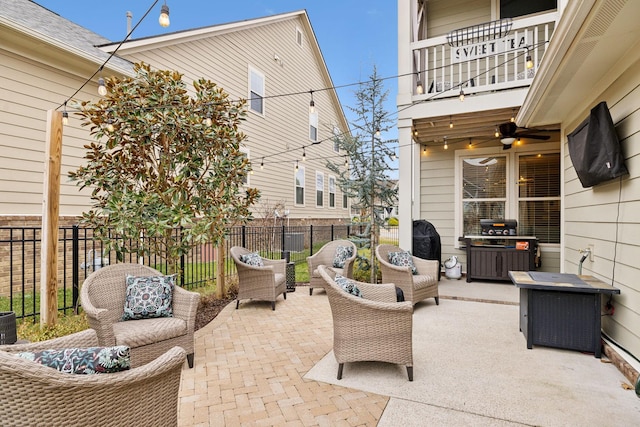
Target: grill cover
(426,242)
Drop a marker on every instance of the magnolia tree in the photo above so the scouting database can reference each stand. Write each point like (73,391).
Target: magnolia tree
(367,180)
(165,169)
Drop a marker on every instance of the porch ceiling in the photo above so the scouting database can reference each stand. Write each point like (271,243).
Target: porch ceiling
(478,126)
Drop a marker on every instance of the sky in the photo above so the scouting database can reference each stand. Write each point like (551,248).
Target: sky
(354,36)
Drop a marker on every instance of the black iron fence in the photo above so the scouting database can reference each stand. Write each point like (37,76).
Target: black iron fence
(79,254)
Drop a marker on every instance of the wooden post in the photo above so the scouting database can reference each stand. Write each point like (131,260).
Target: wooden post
(50,220)
(220,285)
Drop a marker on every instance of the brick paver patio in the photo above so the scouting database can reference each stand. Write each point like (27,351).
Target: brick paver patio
(249,368)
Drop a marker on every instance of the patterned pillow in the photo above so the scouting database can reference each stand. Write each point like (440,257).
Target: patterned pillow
(342,254)
(147,297)
(402,259)
(253,259)
(92,360)
(347,285)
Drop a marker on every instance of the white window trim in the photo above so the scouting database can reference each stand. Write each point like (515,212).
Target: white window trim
(319,174)
(511,205)
(335,194)
(303,186)
(301,34)
(247,152)
(264,90)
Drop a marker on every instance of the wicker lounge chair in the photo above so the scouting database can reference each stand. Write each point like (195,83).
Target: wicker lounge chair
(415,287)
(260,283)
(34,394)
(373,327)
(325,256)
(102,298)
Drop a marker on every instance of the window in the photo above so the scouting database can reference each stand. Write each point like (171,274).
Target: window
(332,191)
(345,201)
(484,191)
(300,186)
(523,186)
(256,91)
(515,8)
(299,36)
(319,189)
(313,127)
(539,196)
(245,153)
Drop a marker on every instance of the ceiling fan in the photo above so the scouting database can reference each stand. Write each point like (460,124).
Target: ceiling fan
(509,133)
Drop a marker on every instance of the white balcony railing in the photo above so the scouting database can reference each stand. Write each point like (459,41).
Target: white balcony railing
(444,70)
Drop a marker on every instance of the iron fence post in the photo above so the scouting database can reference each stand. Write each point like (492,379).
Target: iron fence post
(311,239)
(75,266)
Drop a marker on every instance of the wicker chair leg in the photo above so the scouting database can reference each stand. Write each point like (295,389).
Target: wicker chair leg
(340,366)
(284,294)
(273,305)
(410,372)
(237,303)
(310,291)
(190,359)
(437,300)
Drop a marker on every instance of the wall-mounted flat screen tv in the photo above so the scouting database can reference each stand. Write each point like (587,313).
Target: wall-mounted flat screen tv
(595,150)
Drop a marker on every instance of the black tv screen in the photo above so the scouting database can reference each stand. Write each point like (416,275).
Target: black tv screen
(595,150)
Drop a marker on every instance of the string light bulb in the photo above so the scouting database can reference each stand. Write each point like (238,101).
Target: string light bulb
(102,88)
(312,105)
(163,20)
(297,167)
(262,164)
(470,144)
(378,132)
(446,146)
(529,63)
(497,132)
(346,162)
(461,96)
(513,115)
(419,87)
(304,155)
(450,123)
(424,149)
(65,115)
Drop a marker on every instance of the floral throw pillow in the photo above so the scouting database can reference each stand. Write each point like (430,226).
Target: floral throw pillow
(347,285)
(343,253)
(253,259)
(92,360)
(402,259)
(148,297)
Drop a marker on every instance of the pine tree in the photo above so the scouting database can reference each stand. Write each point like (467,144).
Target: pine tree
(366,180)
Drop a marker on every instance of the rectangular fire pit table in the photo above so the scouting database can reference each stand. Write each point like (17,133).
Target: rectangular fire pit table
(561,310)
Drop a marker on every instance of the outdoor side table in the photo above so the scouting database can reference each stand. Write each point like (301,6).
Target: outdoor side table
(561,310)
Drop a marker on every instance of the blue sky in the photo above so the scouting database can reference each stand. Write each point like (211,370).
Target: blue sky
(353,35)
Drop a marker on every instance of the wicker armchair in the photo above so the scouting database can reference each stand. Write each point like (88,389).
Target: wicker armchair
(415,287)
(259,283)
(325,256)
(372,328)
(102,298)
(34,394)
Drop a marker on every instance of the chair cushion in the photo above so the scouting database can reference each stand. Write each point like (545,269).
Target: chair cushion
(342,254)
(92,360)
(402,259)
(253,259)
(347,285)
(148,297)
(148,331)
(316,272)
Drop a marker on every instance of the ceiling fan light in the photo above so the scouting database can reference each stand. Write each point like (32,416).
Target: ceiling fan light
(507,140)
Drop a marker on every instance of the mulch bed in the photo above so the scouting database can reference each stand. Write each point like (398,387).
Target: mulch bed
(210,307)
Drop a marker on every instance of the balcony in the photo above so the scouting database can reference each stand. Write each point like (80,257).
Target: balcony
(445,65)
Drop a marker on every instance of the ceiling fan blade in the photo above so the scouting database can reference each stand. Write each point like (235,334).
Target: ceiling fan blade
(540,137)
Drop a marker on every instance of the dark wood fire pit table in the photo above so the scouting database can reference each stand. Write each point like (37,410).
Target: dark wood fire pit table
(561,310)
